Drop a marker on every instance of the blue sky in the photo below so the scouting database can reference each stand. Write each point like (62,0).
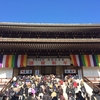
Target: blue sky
(50,11)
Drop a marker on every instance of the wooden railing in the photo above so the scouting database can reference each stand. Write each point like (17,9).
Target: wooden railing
(7,85)
(4,80)
(92,85)
(94,79)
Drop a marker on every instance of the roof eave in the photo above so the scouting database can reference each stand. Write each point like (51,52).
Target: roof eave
(48,24)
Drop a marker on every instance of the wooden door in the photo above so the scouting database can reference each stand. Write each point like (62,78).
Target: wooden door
(46,70)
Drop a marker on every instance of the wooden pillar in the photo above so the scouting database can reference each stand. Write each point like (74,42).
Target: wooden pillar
(59,70)
(82,71)
(15,72)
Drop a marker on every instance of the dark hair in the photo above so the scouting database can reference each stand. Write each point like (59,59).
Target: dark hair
(59,86)
(80,92)
(4,98)
(77,94)
(30,94)
(61,93)
(37,94)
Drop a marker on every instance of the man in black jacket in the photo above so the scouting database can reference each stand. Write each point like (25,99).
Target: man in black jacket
(46,96)
(95,95)
(21,93)
(15,97)
(68,89)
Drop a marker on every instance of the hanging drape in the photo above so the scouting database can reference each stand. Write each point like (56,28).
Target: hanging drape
(85,60)
(11,61)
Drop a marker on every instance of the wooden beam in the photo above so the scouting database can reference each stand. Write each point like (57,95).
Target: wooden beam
(88,40)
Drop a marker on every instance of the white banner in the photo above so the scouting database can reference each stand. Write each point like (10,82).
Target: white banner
(48,61)
(67,71)
(25,71)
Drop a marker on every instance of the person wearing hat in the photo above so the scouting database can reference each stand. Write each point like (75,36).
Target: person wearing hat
(71,97)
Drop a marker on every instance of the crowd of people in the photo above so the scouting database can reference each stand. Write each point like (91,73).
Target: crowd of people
(48,87)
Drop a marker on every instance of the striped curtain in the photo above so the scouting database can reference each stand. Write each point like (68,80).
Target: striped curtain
(11,61)
(1,58)
(85,60)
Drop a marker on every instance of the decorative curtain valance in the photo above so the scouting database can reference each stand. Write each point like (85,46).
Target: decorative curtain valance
(11,61)
(85,60)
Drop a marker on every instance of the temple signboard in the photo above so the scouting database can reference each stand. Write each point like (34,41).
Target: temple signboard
(48,61)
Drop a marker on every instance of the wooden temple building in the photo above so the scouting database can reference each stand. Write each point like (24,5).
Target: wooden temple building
(58,49)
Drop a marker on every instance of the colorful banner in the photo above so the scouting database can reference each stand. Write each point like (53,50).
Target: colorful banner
(85,60)
(11,61)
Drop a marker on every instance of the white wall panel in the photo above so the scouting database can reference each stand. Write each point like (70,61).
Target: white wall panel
(92,71)
(6,72)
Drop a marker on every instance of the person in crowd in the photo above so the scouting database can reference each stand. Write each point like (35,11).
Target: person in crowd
(46,96)
(76,76)
(87,96)
(71,97)
(26,91)
(7,93)
(21,93)
(77,96)
(11,92)
(72,90)
(4,98)
(80,95)
(60,91)
(54,95)
(95,94)
(75,84)
(61,96)
(54,98)
(15,97)
(14,79)
(68,89)
(41,95)
(83,90)
(44,87)
(30,97)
